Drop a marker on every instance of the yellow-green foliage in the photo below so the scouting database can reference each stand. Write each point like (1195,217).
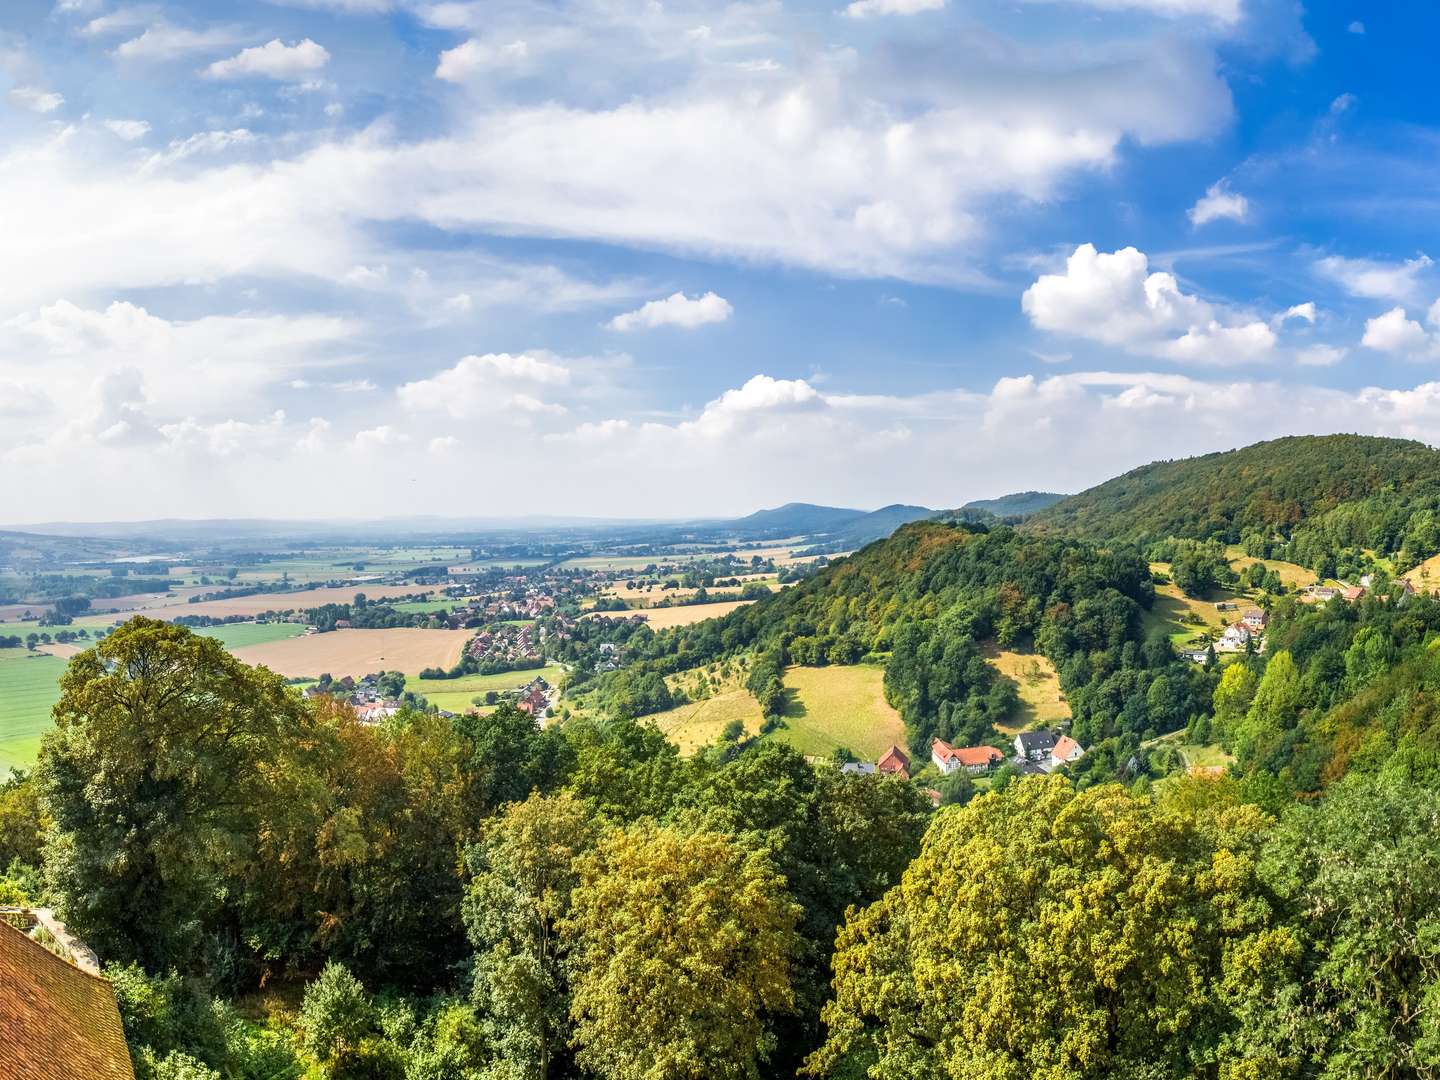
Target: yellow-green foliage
(1049,934)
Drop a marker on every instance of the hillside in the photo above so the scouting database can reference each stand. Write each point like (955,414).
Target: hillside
(876,525)
(795,519)
(1267,488)
(1019,504)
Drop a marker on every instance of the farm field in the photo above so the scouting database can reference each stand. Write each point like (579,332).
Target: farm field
(1041,700)
(288,601)
(1426,576)
(665,618)
(412,607)
(358,652)
(240,635)
(29,686)
(642,596)
(454,695)
(839,706)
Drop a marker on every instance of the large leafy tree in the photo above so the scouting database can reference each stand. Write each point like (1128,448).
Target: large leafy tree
(526,869)
(1048,933)
(680,949)
(1361,874)
(162,758)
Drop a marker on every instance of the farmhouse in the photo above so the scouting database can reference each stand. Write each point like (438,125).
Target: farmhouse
(973,759)
(1255,618)
(894,762)
(1066,750)
(1034,746)
(1235,638)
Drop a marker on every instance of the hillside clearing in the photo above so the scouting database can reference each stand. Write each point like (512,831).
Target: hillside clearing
(1181,618)
(665,618)
(358,652)
(1292,575)
(1041,700)
(830,707)
(700,723)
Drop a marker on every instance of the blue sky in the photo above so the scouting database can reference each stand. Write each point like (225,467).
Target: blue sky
(373,257)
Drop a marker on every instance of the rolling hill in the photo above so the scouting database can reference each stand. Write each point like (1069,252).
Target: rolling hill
(1268,487)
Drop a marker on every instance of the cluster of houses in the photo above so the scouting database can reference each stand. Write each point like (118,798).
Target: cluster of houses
(361,695)
(1034,752)
(507,643)
(1323,594)
(535,698)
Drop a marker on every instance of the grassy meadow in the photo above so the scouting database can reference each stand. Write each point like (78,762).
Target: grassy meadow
(1041,700)
(29,686)
(454,695)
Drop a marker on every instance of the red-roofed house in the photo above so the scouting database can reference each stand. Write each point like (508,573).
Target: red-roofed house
(894,762)
(974,759)
(1066,750)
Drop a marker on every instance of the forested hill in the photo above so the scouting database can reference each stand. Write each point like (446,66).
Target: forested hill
(1266,488)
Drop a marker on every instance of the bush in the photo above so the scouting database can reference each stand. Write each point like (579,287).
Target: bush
(336,1015)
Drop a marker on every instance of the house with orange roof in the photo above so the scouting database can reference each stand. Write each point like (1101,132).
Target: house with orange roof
(894,762)
(973,759)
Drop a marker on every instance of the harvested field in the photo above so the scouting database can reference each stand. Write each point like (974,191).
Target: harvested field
(665,618)
(288,601)
(64,652)
(359,652)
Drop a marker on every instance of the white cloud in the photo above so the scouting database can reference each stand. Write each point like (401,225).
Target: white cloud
(273,60)
(129,130)
(865,9)
(475,57)
(379,438)
(202,143)
(1304,312)
(496,383)
(36,99)
(1320,355)
(1218,203)
(163,42)
(1376,280)
(675,310)
(120,20)
(1394,332)
(1114,299)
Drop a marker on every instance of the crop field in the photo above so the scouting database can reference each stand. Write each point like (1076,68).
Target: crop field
(415,607)
(643,596)
(839,706)
(665,618)
(1041,700)
(455,695)
(240,635)
(288,601)
(358,652)
(29,686)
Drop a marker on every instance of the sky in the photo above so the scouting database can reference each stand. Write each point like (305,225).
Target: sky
(372,258)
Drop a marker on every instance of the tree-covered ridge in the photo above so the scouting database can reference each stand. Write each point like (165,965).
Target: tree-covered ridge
(1268,488)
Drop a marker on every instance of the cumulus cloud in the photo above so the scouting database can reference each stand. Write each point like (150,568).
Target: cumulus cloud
(36,99)
(1395,332)
(867,9)
(1114,299)
(475,57)
(273,60)
(1219,203)
(496,383)
(1373,279)
(676,309)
